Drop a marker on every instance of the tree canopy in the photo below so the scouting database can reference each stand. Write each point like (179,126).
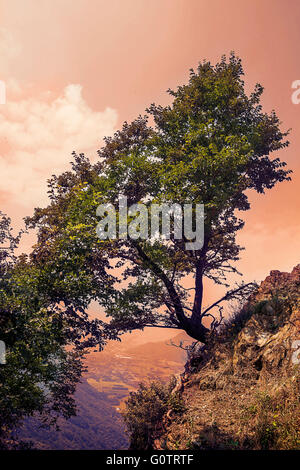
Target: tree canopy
(43,363)
(210,146)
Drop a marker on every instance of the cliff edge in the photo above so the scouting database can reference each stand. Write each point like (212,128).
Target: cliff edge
(241,391)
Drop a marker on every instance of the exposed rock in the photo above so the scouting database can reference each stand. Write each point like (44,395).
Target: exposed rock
(231,378)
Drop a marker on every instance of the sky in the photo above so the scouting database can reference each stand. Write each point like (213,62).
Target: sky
(75,70)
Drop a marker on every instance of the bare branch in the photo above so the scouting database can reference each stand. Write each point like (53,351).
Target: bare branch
(231,294)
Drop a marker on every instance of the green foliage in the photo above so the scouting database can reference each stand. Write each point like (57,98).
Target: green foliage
(235,323)
(270,306)
(276,308)
(176,403)
(211,145)
(274,418)
(40,375)
(145,409)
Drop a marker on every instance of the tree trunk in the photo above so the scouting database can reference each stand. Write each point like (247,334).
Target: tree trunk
(196,330)
(197,307)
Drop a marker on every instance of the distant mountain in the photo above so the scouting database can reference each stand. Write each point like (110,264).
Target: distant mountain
(96,426)
(111,375)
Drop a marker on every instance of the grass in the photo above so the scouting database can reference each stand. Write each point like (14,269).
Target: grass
(273,419)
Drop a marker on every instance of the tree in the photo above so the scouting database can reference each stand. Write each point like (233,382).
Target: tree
(211,145)
(42,366)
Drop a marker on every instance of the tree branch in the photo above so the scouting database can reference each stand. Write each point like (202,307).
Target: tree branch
(168,284)
(227,296)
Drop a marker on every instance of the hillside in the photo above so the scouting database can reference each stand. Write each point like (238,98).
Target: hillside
(111,375)
(96,426)
(241,391)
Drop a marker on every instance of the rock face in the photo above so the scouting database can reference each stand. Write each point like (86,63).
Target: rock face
(242,391)
(268,338)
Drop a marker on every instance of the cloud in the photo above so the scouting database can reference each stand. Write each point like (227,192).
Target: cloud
(37,136)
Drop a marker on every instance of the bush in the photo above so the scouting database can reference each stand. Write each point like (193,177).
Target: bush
(236,322)
(241,314)
(145,409)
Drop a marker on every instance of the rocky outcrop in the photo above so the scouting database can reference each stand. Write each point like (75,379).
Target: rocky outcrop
(268,338)
(242,390)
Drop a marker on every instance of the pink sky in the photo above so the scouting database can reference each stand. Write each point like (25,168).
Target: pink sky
(76,69)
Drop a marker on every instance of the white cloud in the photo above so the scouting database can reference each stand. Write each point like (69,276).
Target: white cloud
(37,136)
